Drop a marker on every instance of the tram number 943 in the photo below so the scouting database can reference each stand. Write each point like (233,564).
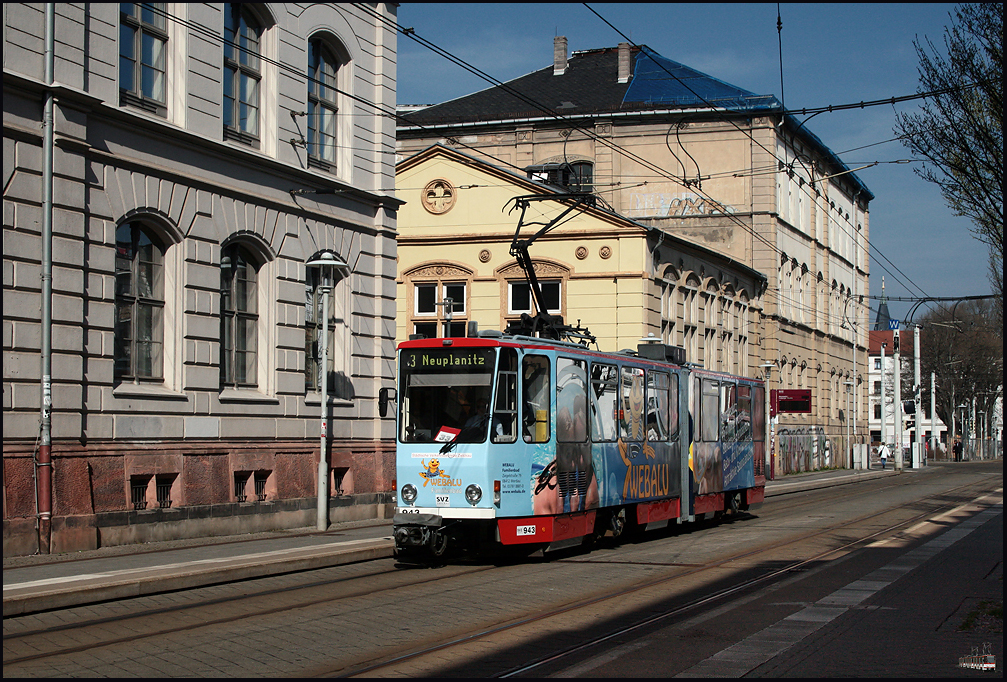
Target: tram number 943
(525,530)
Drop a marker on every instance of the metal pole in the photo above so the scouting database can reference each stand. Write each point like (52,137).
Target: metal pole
(323,462)
(43,463)
(933,414)
(918,439)
(897,356)
(884,411)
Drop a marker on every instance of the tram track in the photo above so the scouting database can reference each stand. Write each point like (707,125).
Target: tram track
(443,649)
(221,612)
(190,612)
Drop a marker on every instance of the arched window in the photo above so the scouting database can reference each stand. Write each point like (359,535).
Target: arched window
(323,104)
(242,74)
(139,303)
(338,342)
(239,317)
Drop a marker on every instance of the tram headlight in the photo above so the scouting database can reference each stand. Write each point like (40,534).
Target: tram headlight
(408,493)
(473,494)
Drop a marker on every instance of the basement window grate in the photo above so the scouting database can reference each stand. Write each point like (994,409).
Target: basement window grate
(260,484)
(240,481)
(138,491)
(164,491)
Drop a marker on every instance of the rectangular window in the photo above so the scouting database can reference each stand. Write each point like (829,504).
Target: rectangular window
(658,407)
(877,388)
(571,401)
(709,411)
(505,410)
(445,301)
(242,36)
(877,363)
(323,68)
(143,42)
(536,396)
(631,407)
(521,300)
(877,410)
(605,404)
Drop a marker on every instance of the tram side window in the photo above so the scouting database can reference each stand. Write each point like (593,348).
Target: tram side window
(673,408)
(604,402)
(729,412)
(505,409)
(657,406)
(536,398)
(631,414)
(744,427)
(709,414)
(571,401)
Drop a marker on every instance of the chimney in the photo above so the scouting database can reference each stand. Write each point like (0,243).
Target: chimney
(559,55)
(624,62)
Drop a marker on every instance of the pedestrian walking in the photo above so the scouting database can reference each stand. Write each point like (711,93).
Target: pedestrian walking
(883,454)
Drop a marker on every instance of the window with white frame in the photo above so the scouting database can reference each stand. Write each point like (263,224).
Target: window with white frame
(324,67)
(520,298)
(143,56)
(242,73)
(440,309)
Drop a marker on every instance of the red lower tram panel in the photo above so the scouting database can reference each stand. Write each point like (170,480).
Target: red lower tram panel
(536,529)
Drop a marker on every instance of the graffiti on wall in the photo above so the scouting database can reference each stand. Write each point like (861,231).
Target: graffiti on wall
(803,448)
(664,205)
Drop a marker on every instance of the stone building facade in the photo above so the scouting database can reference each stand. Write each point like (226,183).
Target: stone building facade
(202,155)
(715,165)
(597,269)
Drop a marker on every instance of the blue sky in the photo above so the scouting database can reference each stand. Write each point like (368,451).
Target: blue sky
(832,54)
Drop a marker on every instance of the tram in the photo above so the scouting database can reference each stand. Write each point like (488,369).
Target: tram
(527,439)
(522,442)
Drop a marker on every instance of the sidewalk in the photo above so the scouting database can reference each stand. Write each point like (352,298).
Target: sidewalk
(43,582)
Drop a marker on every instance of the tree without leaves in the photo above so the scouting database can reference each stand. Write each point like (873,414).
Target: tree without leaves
(964,349)
(959,135)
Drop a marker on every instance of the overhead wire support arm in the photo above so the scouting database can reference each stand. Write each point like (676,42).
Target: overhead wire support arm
(548,324)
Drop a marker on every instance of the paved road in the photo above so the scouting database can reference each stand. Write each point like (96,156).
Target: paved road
(39,583)
(940,584)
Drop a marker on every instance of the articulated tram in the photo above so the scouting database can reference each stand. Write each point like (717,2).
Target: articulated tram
(511,441)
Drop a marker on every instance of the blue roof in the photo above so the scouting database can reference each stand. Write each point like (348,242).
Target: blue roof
(658,80)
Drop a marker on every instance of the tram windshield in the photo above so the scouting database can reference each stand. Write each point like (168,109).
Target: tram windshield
(446,394)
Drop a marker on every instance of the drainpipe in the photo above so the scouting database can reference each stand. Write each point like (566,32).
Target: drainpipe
(43,462)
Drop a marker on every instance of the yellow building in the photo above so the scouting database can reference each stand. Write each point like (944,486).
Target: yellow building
(621,279)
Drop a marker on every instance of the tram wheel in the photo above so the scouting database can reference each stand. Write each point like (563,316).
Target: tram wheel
(735,504)
(617,522)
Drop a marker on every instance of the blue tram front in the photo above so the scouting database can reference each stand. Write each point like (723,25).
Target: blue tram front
(522,441)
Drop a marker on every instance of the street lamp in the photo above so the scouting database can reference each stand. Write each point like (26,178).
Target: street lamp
(328,265)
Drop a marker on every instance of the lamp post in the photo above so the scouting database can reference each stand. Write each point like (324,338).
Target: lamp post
(854,327)
(327,265)
(849,392)
(767,368)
